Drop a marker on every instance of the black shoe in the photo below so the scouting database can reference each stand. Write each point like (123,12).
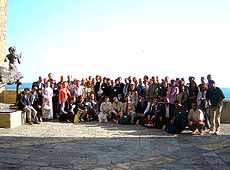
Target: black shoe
(36,123)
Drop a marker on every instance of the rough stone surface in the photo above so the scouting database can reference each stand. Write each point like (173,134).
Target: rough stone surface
(64,146)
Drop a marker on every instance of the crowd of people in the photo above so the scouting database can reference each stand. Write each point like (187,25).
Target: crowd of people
(171,105)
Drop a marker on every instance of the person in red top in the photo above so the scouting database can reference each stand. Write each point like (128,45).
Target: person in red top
(62,98)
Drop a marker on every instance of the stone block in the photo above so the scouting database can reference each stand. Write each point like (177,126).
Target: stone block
(10,119)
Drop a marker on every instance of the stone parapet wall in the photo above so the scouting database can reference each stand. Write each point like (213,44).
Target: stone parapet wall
(3,15)
(225,117)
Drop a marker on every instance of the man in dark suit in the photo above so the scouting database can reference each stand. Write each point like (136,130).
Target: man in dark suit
(25,104)
(39,84)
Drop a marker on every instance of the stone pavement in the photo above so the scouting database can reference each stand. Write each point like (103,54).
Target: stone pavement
(64,146)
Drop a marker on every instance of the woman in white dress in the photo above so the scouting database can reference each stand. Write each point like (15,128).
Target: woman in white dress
(47,104)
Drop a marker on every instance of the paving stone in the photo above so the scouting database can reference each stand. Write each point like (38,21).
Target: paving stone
(214,161)
(13,155)
(219,167)
(123,166)
(51,168)
(186,152)
(10,160)
(213,154)
(225,157)
(29,168)
(8,167)
(198,160)
(35,163)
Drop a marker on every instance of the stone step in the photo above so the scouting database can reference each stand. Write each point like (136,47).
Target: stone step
(11,119)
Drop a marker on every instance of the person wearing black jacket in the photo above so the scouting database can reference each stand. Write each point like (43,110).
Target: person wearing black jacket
(118,89)
(25,105)
(160,119)
(215,99)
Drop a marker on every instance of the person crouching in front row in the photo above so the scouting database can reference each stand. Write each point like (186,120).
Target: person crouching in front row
(128,110)
(106,109)
(196,119)
(179,120)
(150,113)
(117,110)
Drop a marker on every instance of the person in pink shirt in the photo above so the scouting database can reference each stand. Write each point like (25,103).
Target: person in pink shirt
(171,97)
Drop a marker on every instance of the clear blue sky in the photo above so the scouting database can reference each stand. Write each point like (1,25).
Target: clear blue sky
(121,37)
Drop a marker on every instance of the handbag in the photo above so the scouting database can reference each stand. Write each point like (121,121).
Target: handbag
(46,107)
(125,120)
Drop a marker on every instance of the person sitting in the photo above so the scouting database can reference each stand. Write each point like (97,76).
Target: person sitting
(25,104)
(196,119)
(106,109)
(91,106)
(160,120)
(179,121)
(81,110)
(150,113)
(140,109)
(117,109)
(128,110)
(70,109)
(36,102)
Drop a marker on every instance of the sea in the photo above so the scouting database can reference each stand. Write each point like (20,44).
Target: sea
(226,91)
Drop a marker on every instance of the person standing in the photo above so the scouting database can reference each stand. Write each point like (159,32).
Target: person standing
(62,98)
(171,97)
(47,109)
(215,99)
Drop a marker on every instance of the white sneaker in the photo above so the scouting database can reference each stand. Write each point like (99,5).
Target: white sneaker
(217,132)
(211,132)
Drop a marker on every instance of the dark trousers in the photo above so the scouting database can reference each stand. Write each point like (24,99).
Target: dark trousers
(195,126)
(171,111)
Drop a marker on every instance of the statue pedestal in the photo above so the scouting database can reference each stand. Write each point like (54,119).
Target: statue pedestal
(10,118)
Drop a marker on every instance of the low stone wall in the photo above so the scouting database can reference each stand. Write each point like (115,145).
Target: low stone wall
(225,117)
(9,97)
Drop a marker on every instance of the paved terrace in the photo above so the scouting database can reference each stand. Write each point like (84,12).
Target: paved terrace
(64,146)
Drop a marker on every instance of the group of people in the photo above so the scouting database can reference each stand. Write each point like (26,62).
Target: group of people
(171,105)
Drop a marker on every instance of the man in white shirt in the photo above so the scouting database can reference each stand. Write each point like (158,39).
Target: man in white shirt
(196,119)
(105,110)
